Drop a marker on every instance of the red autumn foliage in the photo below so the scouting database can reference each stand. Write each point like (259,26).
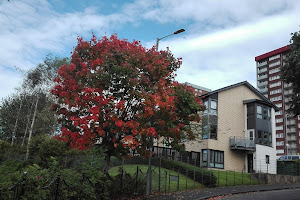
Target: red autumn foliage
(122,92)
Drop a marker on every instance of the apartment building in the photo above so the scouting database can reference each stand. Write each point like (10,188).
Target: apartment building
(268,67)
(199,90)
(238,132)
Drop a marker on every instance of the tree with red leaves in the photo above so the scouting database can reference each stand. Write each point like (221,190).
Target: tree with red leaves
(124,94)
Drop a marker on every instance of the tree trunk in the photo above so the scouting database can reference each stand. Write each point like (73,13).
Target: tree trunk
(31,127)
(27,124)
(16,124)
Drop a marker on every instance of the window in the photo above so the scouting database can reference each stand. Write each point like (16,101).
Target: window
(298,117)
(216,159)
(272,78)
(206,107)
(279,128)
(275,84)
(281,143)
(279,135)
(279,120)
(276,98)
(267,159)
(274,71)
(213,107)
(298,125)
(204,158)
(259,112)
(275,91)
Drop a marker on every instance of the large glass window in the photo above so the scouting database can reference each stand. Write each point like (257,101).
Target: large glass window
(213,159)
(210,119)
(259,112)
(204,158)
(213,107)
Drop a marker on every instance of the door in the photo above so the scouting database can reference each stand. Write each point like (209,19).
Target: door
(250,163)
(250,135)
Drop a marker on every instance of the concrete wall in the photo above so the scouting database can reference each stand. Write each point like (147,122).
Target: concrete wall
(275,179)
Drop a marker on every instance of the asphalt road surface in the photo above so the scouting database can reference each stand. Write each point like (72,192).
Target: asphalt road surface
(291,194)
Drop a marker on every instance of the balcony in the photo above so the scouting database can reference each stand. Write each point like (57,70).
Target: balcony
(291,122)
(262,77)
(288,85)
(291,138)
(288,92)
(263,90)
(291,130)
(262,84)
(261,70)
(262,63)
(241,143)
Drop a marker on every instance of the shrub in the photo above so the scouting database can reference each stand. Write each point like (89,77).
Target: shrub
(42,148)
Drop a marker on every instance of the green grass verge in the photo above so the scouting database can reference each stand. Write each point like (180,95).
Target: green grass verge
(231,178)
(168,178)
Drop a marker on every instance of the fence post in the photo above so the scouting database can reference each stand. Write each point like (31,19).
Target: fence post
(186,175)
(234,177)
(242,177)
(194,178)
(159,174)
(136,178)
(202,177)
(226,178)
(169,181)
(57,187)
(122,171)
(166,182)
(218,178)
(178,180)
(210,177)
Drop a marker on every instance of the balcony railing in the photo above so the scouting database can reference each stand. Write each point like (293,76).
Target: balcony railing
(262,70)
(262,63)
(262,84)
(262,77)
(241,143)
(263,90)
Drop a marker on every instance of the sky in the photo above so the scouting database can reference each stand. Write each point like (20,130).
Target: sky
(218,48)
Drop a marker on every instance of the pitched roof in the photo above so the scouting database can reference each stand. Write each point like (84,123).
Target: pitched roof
(248,85)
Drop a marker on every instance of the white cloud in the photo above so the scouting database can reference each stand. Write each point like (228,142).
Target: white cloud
(218,48)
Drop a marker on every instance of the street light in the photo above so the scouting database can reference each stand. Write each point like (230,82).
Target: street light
(176,32)
(148,186)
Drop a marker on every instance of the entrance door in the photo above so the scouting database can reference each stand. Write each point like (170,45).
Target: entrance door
(250,163)
(250,135)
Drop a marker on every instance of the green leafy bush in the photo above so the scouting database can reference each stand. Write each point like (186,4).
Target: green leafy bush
(42,148)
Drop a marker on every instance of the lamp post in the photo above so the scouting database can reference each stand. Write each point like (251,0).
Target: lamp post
(176,32)
(148,186)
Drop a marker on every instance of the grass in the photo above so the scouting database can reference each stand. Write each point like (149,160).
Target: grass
(168,179)
(231,178)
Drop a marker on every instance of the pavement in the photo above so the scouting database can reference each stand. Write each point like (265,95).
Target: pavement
(222,191)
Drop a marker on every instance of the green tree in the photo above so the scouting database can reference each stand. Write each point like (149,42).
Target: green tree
(17,110)
(291,72)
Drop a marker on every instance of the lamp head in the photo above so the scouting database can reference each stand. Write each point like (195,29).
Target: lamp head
(179,31)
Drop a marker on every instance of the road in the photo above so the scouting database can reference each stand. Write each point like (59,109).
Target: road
(292,194)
